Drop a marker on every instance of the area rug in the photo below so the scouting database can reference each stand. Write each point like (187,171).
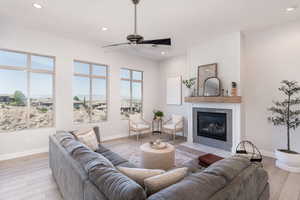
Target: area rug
(132,153)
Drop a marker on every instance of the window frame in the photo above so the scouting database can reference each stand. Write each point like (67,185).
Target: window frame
(131,80)
(28,69)
(90,76)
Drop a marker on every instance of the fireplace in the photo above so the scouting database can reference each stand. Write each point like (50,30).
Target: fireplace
(213,127)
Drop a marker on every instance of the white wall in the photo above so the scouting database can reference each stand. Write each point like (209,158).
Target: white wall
(271,55)
(65,51)
(258,61)
(176,66)
(224,50)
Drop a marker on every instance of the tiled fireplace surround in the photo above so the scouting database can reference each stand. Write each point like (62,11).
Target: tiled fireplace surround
(236,127)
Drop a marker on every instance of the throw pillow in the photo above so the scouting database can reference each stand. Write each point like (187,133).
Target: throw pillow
(159,182)
(87,137)
(139,174)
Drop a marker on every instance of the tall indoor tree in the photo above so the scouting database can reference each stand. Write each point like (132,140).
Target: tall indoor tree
(286,112)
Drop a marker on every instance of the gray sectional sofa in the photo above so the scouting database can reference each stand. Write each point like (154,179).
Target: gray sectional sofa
(82,174)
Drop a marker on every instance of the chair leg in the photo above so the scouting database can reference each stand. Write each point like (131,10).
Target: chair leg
(174,135)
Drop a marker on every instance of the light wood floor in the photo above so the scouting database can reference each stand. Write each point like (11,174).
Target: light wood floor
(30,178)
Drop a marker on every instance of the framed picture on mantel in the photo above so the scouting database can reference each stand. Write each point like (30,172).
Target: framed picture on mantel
(205,72)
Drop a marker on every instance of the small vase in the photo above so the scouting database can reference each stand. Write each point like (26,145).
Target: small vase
(190,93)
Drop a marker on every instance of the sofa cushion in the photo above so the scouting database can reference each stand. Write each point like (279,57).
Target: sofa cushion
(126,164)
(156,183)
(87,158)
(140,174)
(209,182)
(62,135)
(228,168)
(248,185)
(198,186)
(114,158)
(113,184)
(101,149)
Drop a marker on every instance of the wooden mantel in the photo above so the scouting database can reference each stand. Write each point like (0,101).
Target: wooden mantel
(229,99)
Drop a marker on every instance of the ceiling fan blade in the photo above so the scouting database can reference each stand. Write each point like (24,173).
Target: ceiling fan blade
(115,45)
(166,41)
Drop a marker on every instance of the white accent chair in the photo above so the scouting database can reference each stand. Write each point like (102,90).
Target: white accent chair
(138,125)
(174,125)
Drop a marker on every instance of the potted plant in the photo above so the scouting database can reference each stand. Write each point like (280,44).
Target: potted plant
(158,114)
(189,83)
(285,113)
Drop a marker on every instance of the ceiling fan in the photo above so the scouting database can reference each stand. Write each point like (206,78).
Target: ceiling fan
(136,39)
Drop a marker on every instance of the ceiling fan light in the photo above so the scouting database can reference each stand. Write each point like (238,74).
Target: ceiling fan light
(38,6)
(290,9)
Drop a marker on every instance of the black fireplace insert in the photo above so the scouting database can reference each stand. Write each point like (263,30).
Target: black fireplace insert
(212,125)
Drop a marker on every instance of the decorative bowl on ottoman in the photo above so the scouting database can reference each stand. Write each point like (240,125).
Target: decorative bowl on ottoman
(158,145)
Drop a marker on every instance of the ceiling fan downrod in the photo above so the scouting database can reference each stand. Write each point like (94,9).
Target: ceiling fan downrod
(135,38)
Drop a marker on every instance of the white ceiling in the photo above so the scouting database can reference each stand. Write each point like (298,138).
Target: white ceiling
(185,21)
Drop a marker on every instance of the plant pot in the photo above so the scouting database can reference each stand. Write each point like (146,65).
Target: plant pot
(189,92)
(288,161)
(158,118)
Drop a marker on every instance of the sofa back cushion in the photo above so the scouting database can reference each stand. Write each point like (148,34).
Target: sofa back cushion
(228,168)
(87,158)
(205,184)
(198,186)
(113,184)
(63,135)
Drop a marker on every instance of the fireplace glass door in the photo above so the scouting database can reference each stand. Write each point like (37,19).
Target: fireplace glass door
(212,125)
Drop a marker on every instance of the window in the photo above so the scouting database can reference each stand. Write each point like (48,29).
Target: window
(131,92)
(26,91)
(89,92)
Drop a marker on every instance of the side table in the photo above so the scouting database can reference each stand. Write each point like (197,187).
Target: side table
(157,126)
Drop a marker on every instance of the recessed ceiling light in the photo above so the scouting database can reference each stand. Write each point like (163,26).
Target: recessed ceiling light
(38,6)
(290,9)
(104,28)
(163,53)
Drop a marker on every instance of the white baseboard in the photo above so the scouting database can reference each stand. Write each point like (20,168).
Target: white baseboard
(116,137)
(22,154)
(270,154)
(43,150)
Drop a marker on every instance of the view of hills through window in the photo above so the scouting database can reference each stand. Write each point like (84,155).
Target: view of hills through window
(131,92)
(89,92)
(26,91)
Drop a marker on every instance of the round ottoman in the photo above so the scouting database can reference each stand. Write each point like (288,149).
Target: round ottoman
(157,159)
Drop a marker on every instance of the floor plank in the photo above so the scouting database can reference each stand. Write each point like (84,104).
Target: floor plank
(291,188)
